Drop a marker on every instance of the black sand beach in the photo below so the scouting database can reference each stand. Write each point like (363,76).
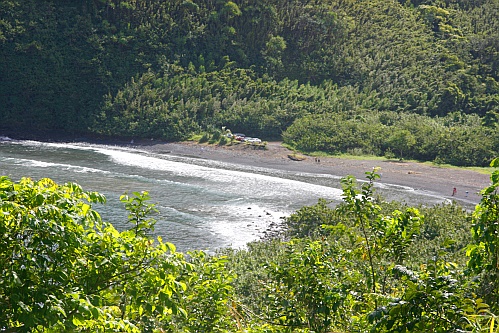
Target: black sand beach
(431,178)
(425,177)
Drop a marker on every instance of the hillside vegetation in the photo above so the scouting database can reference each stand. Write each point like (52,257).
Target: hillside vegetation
(412,79)
(363,266)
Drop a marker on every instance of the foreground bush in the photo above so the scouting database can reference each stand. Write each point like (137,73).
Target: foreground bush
(64,269)
(370,266)
(350,268)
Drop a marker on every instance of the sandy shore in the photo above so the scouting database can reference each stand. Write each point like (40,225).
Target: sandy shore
(434,179)
(425,177)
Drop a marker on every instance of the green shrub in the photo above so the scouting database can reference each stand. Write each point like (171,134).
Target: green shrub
(223,140)
(205,138)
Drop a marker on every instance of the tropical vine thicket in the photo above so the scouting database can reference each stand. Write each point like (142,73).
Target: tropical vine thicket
(408,79)
(365,265)
(411,79)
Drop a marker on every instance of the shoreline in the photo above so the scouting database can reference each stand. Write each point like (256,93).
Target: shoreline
(429,178)
(423,177)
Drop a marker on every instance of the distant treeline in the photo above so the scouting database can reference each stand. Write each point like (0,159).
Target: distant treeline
(411,79)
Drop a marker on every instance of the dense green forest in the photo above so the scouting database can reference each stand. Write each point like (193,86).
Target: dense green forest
(409,78)
(412,79)
(365,265)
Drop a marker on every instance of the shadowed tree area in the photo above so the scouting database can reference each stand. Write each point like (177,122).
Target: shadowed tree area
(171,69)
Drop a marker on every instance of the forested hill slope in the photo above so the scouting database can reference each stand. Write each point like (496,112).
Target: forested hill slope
(368,70)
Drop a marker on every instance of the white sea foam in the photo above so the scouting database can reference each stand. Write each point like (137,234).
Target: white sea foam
(254,178)
(42,164)
(256,183)
(246,223)
(203,204)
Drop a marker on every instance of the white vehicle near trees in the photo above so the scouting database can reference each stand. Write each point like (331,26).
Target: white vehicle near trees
(253,140)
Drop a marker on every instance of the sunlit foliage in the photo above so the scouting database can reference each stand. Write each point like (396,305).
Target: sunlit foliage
(168,69)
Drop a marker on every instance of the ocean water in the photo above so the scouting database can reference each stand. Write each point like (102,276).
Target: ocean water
(202,204)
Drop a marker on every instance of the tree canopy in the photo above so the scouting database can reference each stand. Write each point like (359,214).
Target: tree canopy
(166,70)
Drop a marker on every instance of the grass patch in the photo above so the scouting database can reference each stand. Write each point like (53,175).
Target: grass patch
(482,170)
(195,137)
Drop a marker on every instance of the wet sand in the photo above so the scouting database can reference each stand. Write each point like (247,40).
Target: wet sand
(425,177)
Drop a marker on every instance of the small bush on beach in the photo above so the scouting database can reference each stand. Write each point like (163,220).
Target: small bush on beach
(205,138)
(223,140)
(297,157)
(215,137)
(257,145)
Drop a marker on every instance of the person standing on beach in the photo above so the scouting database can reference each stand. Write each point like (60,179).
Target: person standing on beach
(454,191)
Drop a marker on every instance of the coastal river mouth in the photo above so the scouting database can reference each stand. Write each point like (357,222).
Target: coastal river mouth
(202,204)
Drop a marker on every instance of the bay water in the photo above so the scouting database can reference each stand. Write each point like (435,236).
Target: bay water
(203,204)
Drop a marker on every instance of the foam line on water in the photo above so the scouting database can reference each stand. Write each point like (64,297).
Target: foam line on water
(253,181)
(257,178)
(83,169)
(408,189)
(184,215)
(41,164)
(216,171)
